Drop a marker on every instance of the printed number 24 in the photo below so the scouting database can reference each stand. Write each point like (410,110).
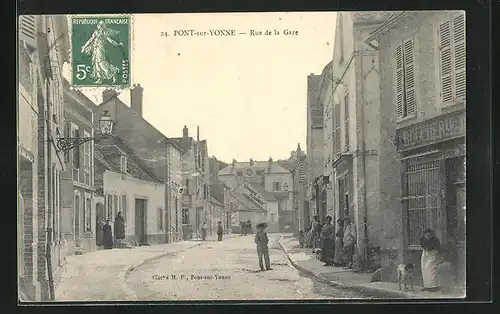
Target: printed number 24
(81,71)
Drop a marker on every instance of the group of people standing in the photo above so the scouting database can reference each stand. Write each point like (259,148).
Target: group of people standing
(335,243)
(105,232)
(220,231)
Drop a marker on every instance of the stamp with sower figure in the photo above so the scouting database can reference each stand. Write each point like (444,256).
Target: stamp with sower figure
(100,48)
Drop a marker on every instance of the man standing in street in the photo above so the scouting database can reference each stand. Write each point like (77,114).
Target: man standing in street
(220,231)
(262,240)
(349,241)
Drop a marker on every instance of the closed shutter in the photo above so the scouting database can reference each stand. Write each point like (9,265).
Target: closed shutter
(159,219)
(76,152)
(336,125)
(346,120)
(409,77)
(124,207)
(459,55)
(399,82)
(67,133)
(446,62)
(27,29)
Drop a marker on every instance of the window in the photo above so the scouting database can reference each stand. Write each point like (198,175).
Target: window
(405,80)
(346,120)
(86,159)
(67,133)
(123,164)
(124,206)
(185,216)
(276,186)
(176,214)
(239,173)
(205,191)
(452,59)
(159,217)
(76,156)
(273,217)
(110,207)
(336,129)
(88,214)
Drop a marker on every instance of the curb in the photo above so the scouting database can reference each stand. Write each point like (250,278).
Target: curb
(127,269)
(353,287)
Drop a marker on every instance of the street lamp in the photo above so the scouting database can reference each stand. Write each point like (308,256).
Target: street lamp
(105,128)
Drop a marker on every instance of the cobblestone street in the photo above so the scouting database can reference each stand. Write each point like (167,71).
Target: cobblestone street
(227,270)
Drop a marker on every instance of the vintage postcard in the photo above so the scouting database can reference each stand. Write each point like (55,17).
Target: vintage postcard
(242,156)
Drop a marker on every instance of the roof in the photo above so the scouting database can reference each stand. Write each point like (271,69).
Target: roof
(217,191)
(257,166)
(244,203)
(109,152)
(370,16)
(213,200)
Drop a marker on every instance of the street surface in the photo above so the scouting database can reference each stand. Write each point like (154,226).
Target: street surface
(227,270)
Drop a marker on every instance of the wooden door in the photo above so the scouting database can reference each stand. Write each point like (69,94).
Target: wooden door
(140,220)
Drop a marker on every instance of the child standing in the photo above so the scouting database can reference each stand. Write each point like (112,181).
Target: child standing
(262,240)
(301,238)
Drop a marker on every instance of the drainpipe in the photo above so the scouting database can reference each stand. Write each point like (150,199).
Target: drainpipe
(50,181)
(167,193)
(363,164)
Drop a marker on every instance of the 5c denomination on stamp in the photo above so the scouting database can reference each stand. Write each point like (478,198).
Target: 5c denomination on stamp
(101,51)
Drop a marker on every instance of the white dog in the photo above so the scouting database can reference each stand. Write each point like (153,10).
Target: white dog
(405,275)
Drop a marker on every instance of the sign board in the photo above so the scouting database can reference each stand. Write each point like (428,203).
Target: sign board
(442,128)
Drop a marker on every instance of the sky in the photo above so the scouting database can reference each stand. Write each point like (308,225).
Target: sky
(246,93)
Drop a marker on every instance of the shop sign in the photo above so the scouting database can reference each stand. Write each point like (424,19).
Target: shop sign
(442,128)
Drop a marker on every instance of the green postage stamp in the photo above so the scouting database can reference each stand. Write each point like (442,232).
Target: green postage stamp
(100,51)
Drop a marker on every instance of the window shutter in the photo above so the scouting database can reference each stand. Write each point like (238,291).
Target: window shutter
(399,82)
(336,133)
(67,133)
(346,120)
(459,55)
(27,29)
(409,75)
(445,58)
(76,151)
(160,219)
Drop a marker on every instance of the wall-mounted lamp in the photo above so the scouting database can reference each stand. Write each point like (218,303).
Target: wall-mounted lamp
(105,127)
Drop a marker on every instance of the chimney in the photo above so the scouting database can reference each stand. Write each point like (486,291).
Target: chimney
(136,99)
(198,133)
(234,162)
(185,133)
(251,162)
(108,93)
(270,163)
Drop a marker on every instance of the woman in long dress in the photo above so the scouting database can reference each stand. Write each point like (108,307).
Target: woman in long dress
(107,240)
(328,245)
(339,235)
(102,69)
(431,259)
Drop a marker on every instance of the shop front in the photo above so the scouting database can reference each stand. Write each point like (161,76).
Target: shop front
(432,155)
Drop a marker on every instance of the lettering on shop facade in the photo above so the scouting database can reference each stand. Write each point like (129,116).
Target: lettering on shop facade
(435,130)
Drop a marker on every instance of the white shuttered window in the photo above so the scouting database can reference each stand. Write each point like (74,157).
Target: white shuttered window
(406,96)
(452,59)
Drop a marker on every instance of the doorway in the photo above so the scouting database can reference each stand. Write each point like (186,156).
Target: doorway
(77,219)
(99,222)
(140,220)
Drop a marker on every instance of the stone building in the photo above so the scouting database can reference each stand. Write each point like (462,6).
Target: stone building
(130,187)
(159,154)
(314,134)
(77,187)
(422,117)
(196,181)
(354,137)
(40,120)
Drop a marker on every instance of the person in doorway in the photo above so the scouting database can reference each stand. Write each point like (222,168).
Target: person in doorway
(204,231)
(349,242)
(249,227)
(119,227)
(431,259)
(314,235)
(262,241)
(107,240)
(328,244)
(220,231)
(339,236)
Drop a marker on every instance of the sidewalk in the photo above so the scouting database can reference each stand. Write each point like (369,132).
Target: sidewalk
(305,261)
(100,275)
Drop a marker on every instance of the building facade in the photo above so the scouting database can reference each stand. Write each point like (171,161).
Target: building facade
(158,154)
(314,138)
(40,119)
(78,219)
(422,58)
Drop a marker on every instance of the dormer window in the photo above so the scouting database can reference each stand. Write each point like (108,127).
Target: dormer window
(123,164)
